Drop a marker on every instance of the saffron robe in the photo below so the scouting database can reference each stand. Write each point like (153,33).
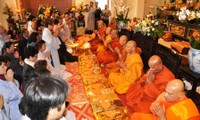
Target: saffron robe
(107,56)
(140,96)
(121,81)
(184,109)
(95,43)
(113,67)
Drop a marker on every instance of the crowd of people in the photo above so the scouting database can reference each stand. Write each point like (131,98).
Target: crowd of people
(33,73)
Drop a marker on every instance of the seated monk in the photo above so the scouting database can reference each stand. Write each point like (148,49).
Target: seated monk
(101,32)
(113,67)
(113,23)
(105,40)
(130,70)
(170,105)
(142,93)
(110,54)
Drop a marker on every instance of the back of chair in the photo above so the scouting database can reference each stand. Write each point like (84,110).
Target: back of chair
(146,43)
(170,59)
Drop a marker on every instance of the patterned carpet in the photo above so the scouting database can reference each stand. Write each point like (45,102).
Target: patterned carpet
(79,103)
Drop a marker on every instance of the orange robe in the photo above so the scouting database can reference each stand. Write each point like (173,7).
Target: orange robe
(184,109)
(140,96)
(102,32)
(107,56)
(113,67)
(121,81)
(96,42)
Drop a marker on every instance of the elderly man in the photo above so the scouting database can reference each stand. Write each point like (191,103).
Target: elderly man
(130,70)
(101,33)
(142,93)
(170,105)
(33,27)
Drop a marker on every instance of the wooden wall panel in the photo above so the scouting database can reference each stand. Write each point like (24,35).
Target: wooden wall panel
(32,5)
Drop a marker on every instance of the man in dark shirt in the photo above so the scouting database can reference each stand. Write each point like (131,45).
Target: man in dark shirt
(23,42)
(97,14)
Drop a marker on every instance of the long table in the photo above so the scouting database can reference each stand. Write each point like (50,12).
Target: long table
(92,97)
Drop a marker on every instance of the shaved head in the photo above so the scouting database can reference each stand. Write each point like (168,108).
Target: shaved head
(132,43)
(108,30)
(155,59)
(155,64)
(114,34)
(176,85)
(174,90)
(123,39)
(130,47)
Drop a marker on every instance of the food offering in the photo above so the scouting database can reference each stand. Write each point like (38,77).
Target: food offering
(104,102)
(116,114)
(98,89)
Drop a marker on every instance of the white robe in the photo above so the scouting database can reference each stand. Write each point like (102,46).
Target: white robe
(54,71)
(52,46)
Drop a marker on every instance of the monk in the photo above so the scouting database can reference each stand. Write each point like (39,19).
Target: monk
(113,67)
(105,40)
(142,93)
(113,23)
(110,55)
(101,32)
(130,70)
(170,105)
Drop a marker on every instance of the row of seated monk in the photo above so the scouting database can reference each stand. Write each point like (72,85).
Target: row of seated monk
(151,95)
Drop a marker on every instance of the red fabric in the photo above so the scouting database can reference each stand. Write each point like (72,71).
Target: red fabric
(115,43)
(94,44)
(122,97)
(82,111)
(102,32)
(2,77)
(140,96)
(108,56)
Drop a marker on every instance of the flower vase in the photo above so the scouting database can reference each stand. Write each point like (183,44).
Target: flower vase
(121,25)
(194,60)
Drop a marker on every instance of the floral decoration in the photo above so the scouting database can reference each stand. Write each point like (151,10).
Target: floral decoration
(186,14)
(195,40)
(8,11)
(46,11)
(75,9)
(149,26)
(122,11)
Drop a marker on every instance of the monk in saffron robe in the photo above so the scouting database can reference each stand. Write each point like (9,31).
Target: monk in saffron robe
(107,39)
(142,93)
(113,67)
(170,105)
(110,55)
(101,32)
(130,70)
